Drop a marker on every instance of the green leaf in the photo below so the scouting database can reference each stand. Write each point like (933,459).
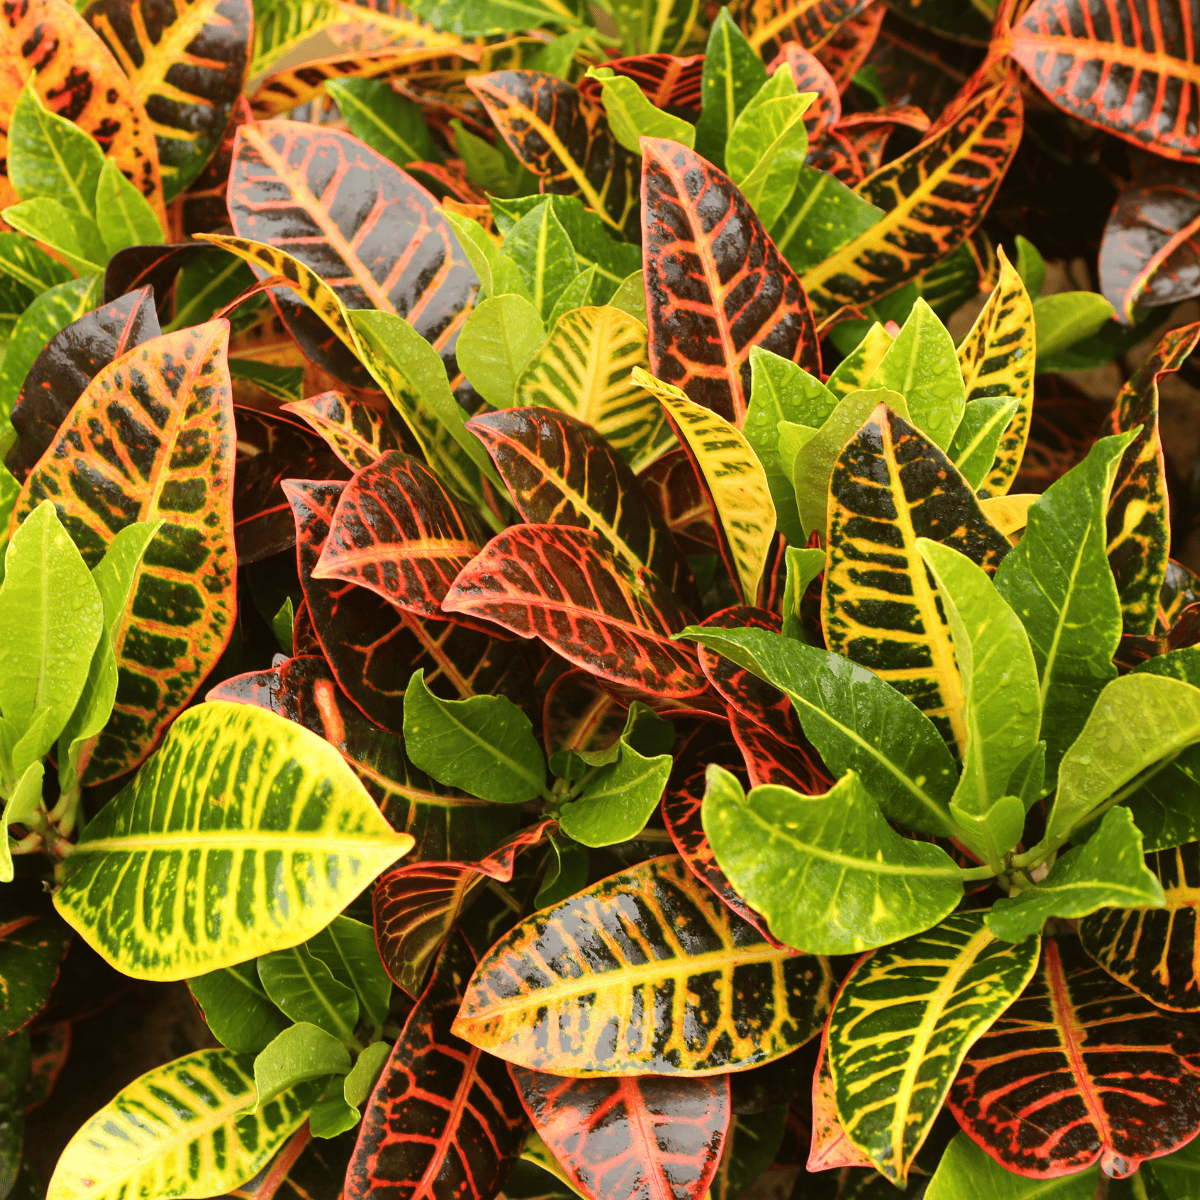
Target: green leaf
(53,310)
(566,873)
(347,948)
(618,800)
(75,236)
(366,1071)
(300,1053)
(922,365)
(1066,318)
(1030,266)
(239,792)
(733,73)
(630,296)
(123,214)
(478,18)
(852,373)
(822,216)
(282,625)
(543,253)
(1137,721)
(631,115)
(240,1014)
(1058,581)
(967,1170)
(828,872)
(51,615)
(855,720)
(19,807)
(813,465)
(1002,707)
(331,1116)
(782,391)
(498,274)
(485,745)
(751,1144)
(305,989)
(498,339)
(902,1025)
(51,156)
(181,1130)
(984,423)
(767,145)
(385,120)
(803,566)
(583,291)
(413,376)
(29,264)
(485,164)
(1108,870)
(558,57)
(113,576)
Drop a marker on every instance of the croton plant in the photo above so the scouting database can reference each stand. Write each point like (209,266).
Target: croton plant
(514,592)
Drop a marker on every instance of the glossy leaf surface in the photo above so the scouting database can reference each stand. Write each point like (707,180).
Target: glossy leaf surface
(564,140)
(1138,513)
(236,1008)
(875,612)
(444,1118)
(179,1130)
(1153,950)
(418,904)
(932,198)
(623,1138)
(397,531)
(32,946)
(770,22)
(356,432)
(561,471)
(187,63)
(1101,64)
(715,284)
(321,195)
(903,1021)
(734,480)
(168,406)
(835,878)
(561,585)
(531,998)
(329,842)
(1078,1070)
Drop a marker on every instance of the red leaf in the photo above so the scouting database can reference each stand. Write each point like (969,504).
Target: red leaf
(373,648)
(1124,67)
(561,471)
(444,822)
(809,75)
(72,358)
(1079,1070)
(675,490)
(368,229)
(270,450)
(667,82)
(715,283)
(561,585)
(417,905)
(769,760)
(357,432)
(846,52)
(444,1119)
(631,1138)
(578,714)
(1151,249)
(397,531)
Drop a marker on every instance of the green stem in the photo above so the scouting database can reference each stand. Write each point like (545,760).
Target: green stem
(970,874)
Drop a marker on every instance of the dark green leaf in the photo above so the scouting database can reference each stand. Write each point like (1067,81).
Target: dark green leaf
(733,73)
(386,121)
(237,1009)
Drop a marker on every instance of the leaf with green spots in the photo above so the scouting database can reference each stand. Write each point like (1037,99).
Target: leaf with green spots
(296,809)
(902,1024)
(180,1130)
(828,872)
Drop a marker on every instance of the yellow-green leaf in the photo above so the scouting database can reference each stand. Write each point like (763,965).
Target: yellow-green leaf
(734,478)
(997,359)
(244,833)
(181,1130)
